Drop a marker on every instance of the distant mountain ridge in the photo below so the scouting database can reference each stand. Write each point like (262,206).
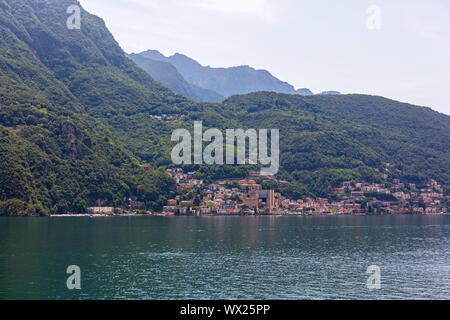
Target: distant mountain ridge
(224,82)
(168,75)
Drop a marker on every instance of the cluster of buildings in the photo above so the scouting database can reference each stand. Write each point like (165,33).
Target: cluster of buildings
(247,196)
(166,117)
(396,197)
(228,197)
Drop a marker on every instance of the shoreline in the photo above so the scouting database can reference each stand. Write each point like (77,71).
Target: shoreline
(262,215)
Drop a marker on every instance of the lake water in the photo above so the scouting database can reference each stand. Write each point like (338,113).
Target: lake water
(225,257)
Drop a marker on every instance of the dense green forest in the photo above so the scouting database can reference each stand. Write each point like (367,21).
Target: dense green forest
(54,157)
(76,123)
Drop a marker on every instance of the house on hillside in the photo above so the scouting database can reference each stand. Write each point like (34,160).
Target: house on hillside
(101,210)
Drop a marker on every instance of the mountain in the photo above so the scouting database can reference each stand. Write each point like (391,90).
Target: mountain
(168,75)
(327,139)
(77,121)
(55,157)
(304,92)
(225,81)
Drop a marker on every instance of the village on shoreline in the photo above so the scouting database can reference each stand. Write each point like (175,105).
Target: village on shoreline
(246,197)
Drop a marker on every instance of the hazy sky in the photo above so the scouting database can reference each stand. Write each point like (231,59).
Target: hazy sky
(320,44)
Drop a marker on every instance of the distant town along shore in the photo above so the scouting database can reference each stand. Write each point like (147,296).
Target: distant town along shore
(246,196)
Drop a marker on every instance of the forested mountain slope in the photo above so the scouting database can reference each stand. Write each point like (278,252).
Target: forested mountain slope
(341,133)
(55,157)
(225,81)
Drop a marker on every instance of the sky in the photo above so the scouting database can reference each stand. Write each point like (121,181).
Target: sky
(399,49)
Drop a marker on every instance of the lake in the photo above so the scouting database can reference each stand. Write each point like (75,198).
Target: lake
(225,257)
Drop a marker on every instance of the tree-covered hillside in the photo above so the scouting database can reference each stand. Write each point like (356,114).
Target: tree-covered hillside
(77,118)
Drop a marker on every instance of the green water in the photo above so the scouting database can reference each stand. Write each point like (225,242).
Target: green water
(225,257)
